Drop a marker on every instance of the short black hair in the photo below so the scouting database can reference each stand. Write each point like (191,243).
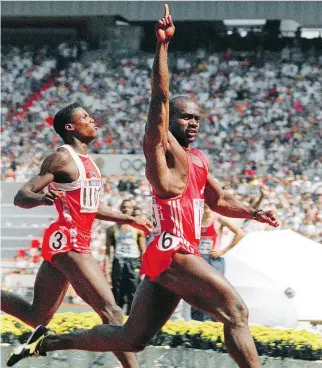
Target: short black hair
(176,101)
(126,200)
(63,117)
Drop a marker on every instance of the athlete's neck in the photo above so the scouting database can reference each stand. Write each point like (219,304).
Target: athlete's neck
(78,146)
(187,148)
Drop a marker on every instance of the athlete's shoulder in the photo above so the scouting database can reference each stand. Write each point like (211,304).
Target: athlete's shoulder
(202,156)
(198,152)
(57,160)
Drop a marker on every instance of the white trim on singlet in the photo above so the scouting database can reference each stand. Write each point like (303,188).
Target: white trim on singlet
(67,187)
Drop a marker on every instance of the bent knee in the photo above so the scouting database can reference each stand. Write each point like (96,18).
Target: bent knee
(37,319)
(137,346)
(237,314)
(112,314)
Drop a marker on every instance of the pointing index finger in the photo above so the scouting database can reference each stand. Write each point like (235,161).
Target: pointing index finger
(166,10)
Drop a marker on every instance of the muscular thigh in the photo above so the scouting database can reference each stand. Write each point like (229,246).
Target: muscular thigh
(86,277)
(153,305)
(50,289)
(199,284)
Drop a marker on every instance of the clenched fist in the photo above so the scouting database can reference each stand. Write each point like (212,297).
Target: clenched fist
(165,28)
(49,198)
(267,217)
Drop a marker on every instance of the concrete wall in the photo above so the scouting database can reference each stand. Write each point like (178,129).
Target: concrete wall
(120,164)
(304,12)
(8,191)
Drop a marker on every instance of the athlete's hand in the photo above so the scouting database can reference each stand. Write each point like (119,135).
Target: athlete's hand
(267,217)
(216,253)
(165,28)
(142,223)
(49,198)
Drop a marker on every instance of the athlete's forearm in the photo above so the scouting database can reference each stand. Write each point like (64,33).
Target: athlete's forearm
(234,242)
(260,200)
(227,205)
(156,128)
(106,214)
(28,199)
(160,72)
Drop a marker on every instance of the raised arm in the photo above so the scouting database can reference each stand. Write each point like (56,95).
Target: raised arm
(156,130)
(227,205)
(33,193)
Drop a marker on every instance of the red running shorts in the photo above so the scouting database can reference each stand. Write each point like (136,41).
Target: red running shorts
(59,239)
(159,253)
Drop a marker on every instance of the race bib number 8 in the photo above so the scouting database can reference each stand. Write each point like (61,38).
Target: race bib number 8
(168,241)
(57,240)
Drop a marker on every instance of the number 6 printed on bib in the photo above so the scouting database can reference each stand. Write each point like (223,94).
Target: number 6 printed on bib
(168,241)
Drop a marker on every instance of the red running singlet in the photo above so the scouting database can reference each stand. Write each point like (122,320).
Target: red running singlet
(177,221)
(76,208)
(209,238)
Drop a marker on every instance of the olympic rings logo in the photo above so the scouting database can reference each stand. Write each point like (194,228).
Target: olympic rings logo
(136,164)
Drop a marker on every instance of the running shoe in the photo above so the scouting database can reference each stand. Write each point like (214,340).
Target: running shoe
(32,348)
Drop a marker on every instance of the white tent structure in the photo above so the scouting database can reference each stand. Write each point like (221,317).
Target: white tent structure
(264,264)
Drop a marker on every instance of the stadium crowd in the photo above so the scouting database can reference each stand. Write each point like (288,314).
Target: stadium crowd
(258,116)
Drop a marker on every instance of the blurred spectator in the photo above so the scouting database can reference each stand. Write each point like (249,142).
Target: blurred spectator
(128,247)
(256,134)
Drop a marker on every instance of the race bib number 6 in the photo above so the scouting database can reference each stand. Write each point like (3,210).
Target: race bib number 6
(168,241)
(57,240)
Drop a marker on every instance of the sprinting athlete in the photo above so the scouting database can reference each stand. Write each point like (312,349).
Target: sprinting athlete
(172,265)
(74,183)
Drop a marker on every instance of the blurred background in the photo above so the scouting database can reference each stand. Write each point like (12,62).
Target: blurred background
(255,67)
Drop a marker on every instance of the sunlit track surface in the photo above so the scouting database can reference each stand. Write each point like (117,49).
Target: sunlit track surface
(19,226)
(151,357)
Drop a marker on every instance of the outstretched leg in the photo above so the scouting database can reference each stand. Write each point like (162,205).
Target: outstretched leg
(89,282)
(49,291)
(210,292)
(151,308)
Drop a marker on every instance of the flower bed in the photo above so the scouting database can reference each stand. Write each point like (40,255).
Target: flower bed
(270,342)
